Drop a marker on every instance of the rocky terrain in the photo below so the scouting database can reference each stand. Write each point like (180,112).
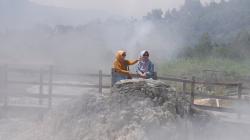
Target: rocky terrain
(136,109)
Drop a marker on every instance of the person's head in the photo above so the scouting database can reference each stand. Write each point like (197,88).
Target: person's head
(120,55)
(144,55)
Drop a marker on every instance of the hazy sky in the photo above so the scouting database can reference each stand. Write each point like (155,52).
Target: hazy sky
(120,7)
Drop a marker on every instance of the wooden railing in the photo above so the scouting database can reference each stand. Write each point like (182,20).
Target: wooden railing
(46,79)
(237,96)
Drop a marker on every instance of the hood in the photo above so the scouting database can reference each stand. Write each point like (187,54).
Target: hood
(142,52)
(118,55)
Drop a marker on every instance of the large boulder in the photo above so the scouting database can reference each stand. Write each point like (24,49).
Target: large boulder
(159,92)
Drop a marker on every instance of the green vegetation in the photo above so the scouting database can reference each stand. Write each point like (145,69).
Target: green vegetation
(194,66)
(233,58)
(216,37)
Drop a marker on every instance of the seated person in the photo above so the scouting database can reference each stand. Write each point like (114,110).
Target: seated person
(121,66)
(145,67)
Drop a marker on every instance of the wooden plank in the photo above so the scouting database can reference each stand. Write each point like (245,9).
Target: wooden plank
(80,74)
(197,82)
(44,96)
(24,70)
(245,93)
(219,109)
(32,71)
(20,107)
(245,88)
(24,82)
(215,97)
(59,84)
(77,74)
(175,79)
(217,83)
(25,94)
(65,96)
(210,108)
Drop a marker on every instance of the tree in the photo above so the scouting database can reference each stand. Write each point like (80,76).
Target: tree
(242,43)
(155,14)
(205,46)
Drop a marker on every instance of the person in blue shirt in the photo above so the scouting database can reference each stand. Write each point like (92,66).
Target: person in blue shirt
(145,68)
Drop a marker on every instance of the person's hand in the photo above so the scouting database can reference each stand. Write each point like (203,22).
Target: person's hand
(129,76)
(143,75)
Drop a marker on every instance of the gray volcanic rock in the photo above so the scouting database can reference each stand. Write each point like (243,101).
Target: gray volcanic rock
(137,109)
(159,92)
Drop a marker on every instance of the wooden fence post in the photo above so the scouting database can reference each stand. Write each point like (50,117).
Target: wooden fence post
(239,96)
(155,76)
(100,81)
(5,84)
(50,86)
(41,87)
(192,89)
(239,90)
(2,83)
(1,76)
(184,86)
(112,77)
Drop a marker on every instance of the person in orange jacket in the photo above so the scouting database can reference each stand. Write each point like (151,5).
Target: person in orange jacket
(121,66)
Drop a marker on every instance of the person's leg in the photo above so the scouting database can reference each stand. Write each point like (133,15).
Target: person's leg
(119,77)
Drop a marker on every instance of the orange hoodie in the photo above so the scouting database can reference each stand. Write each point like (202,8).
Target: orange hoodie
(121,65)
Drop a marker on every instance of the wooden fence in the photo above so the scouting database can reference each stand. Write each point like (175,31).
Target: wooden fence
(237,97)
(46,79)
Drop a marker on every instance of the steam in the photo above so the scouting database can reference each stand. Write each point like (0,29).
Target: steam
(84,46)
(74,46)
(141,31)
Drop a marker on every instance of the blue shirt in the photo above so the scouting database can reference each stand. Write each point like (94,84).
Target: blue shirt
(146,67)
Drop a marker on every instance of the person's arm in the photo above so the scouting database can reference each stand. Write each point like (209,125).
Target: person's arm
(138,71)
(150,69)
(132,62)
(119,70)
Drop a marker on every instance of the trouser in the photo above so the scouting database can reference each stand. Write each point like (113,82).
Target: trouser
(119,77)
